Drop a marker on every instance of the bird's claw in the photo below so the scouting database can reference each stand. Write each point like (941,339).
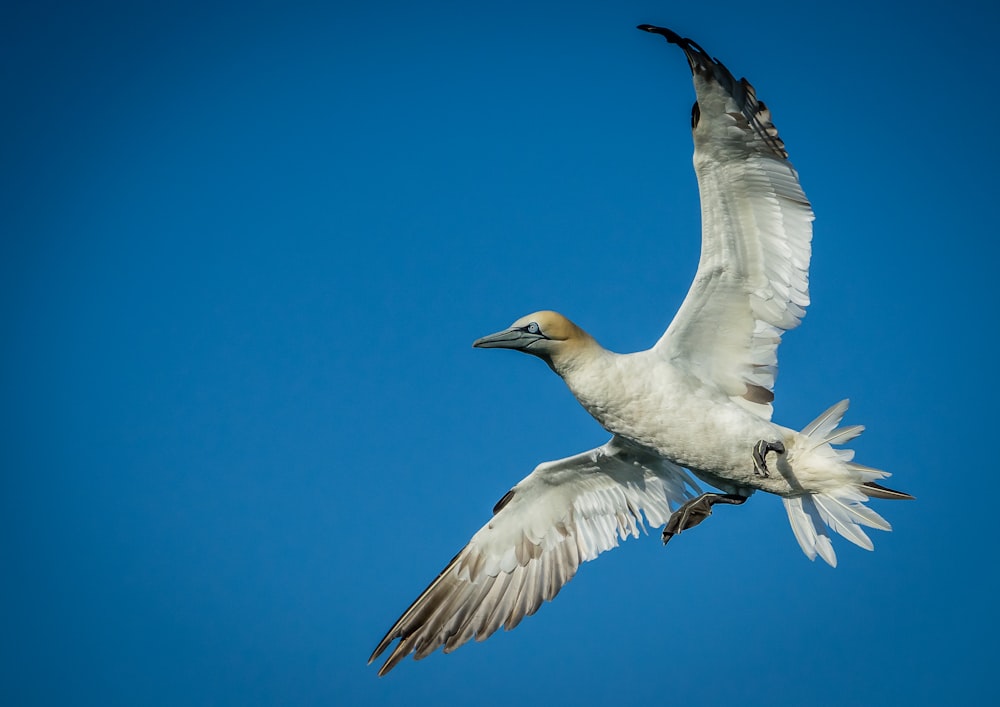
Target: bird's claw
(759,455)
(695,511)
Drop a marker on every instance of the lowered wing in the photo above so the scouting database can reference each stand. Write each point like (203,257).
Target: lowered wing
(565,512)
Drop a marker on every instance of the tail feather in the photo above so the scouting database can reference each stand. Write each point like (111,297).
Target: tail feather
(878,491)
(845,434)
(841,506)
(828,421)
(847,521)
(809,530)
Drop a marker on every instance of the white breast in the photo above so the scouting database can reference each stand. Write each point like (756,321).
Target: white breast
(646,399)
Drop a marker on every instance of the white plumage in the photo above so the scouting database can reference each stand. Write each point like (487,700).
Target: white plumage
(564,513)
(700,400)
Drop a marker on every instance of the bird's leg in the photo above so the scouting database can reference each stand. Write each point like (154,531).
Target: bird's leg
(759,455)
(696,510)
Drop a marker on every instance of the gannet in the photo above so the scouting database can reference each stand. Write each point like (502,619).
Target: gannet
(699,400)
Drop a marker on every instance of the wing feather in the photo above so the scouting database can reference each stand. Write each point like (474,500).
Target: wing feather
(564,513)
(752,280)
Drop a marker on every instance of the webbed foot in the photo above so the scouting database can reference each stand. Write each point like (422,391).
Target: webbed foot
(695,511)
(759,455)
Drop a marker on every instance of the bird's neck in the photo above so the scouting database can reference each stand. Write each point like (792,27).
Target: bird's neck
(597,379)
(585,357)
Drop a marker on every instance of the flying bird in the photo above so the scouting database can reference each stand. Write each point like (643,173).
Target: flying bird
(698,401)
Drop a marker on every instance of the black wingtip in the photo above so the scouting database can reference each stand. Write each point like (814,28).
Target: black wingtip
(670,35)
(697,57)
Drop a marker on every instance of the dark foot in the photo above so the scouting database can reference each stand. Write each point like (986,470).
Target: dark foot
(695,511)
(759,454)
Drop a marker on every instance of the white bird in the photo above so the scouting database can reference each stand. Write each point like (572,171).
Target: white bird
(700,399)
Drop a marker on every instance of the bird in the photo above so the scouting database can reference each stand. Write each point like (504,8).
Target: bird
(698,402)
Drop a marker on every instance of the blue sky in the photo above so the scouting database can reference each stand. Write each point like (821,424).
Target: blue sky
(247,246)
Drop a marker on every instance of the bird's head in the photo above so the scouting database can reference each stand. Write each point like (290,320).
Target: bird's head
(548,335)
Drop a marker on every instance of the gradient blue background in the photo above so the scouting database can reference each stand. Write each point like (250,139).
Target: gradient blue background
(246,248)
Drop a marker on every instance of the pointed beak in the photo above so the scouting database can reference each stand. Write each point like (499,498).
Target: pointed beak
(506,339)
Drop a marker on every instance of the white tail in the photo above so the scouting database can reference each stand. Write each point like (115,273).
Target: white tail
(839,507)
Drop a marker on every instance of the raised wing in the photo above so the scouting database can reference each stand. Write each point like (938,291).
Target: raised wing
(752,283)
(565,512)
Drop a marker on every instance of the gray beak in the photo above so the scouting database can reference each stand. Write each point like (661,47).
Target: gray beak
(507,339)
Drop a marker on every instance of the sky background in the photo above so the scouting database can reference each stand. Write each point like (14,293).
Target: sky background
(246,248)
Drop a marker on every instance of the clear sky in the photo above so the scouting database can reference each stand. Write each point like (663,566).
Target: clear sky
(247,246)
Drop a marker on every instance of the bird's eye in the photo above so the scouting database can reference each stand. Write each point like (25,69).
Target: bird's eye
(533,328)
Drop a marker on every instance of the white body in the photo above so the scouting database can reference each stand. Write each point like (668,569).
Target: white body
(699,400)
(645,399)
